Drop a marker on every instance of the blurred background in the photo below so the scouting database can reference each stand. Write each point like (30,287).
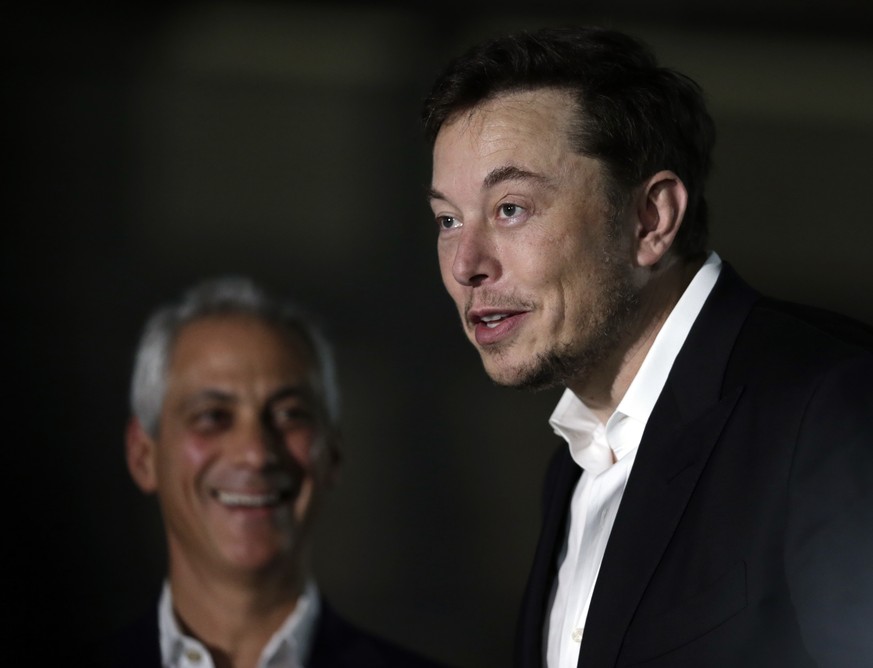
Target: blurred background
(151,147)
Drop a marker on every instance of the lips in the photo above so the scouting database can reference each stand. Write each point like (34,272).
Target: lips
(493,326)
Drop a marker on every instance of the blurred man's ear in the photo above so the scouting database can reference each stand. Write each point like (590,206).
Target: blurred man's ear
(140,450)
(334,457)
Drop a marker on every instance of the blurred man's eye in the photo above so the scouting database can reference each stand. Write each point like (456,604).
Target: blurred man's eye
(292,417)
(211,419)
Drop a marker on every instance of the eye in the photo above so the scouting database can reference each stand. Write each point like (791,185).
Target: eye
(447,222)
(209,420)
(287,418)
(510,210)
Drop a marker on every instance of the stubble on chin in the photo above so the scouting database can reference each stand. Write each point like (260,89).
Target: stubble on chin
(562,363)
(553,368)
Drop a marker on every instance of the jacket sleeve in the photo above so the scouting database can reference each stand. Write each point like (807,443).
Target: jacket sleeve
(829,541)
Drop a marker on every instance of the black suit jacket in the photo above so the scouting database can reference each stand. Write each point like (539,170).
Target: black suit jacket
(745,534)
(337,644)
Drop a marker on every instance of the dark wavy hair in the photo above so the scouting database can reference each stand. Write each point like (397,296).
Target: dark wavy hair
(635,116)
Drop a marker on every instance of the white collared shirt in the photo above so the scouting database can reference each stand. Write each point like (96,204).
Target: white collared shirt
(606,454)
(287,648)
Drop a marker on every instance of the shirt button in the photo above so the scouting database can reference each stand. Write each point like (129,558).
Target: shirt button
(577,634)
(193,655)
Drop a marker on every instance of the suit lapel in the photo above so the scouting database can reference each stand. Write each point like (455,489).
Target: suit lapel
(682,430)
(664,476)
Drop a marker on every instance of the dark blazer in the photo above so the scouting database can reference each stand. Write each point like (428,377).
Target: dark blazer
(337,644)
(745,534)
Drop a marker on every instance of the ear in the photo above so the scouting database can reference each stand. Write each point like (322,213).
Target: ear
(334,458)
(660,211)
(140,449)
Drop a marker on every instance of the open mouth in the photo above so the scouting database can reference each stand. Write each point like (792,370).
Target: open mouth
(495,326)
(251,499)
(491,321)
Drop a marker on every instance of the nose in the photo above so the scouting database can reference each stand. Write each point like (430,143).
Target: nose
(255,445)
(475,256)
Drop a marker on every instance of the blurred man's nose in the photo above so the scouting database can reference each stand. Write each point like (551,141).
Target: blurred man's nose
(255,444)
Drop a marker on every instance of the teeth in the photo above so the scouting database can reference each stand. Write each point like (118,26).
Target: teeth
(238,499)
(491,321)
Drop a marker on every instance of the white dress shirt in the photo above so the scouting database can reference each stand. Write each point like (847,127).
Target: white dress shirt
(606,454)
(288,647)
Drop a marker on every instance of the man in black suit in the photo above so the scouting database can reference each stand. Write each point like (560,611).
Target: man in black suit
(235,428)
(713,502)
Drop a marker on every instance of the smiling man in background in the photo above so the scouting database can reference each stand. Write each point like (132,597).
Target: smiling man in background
(712,505)
(235,429)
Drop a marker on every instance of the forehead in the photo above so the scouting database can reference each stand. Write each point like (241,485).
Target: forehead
(237,349)
(538,120)
(521,132)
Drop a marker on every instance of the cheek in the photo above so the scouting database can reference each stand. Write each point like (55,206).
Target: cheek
(195,452)
(541,268)
(302,445)
(568,262)
(184,454)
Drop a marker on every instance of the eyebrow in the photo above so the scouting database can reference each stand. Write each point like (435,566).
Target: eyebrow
(291,392)
(500,175)
(511,173)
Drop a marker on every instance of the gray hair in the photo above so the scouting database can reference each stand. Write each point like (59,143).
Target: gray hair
(229,295)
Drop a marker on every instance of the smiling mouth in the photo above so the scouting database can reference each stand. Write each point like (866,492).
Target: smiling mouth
(250,500)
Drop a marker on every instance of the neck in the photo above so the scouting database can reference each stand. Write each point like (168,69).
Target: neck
(233,616)
(603,388)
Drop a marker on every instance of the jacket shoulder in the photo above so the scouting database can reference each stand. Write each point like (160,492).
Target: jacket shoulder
(339,643)
(134,645)
(784,340)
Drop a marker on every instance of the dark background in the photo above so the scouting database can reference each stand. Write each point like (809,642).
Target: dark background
(149,148)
